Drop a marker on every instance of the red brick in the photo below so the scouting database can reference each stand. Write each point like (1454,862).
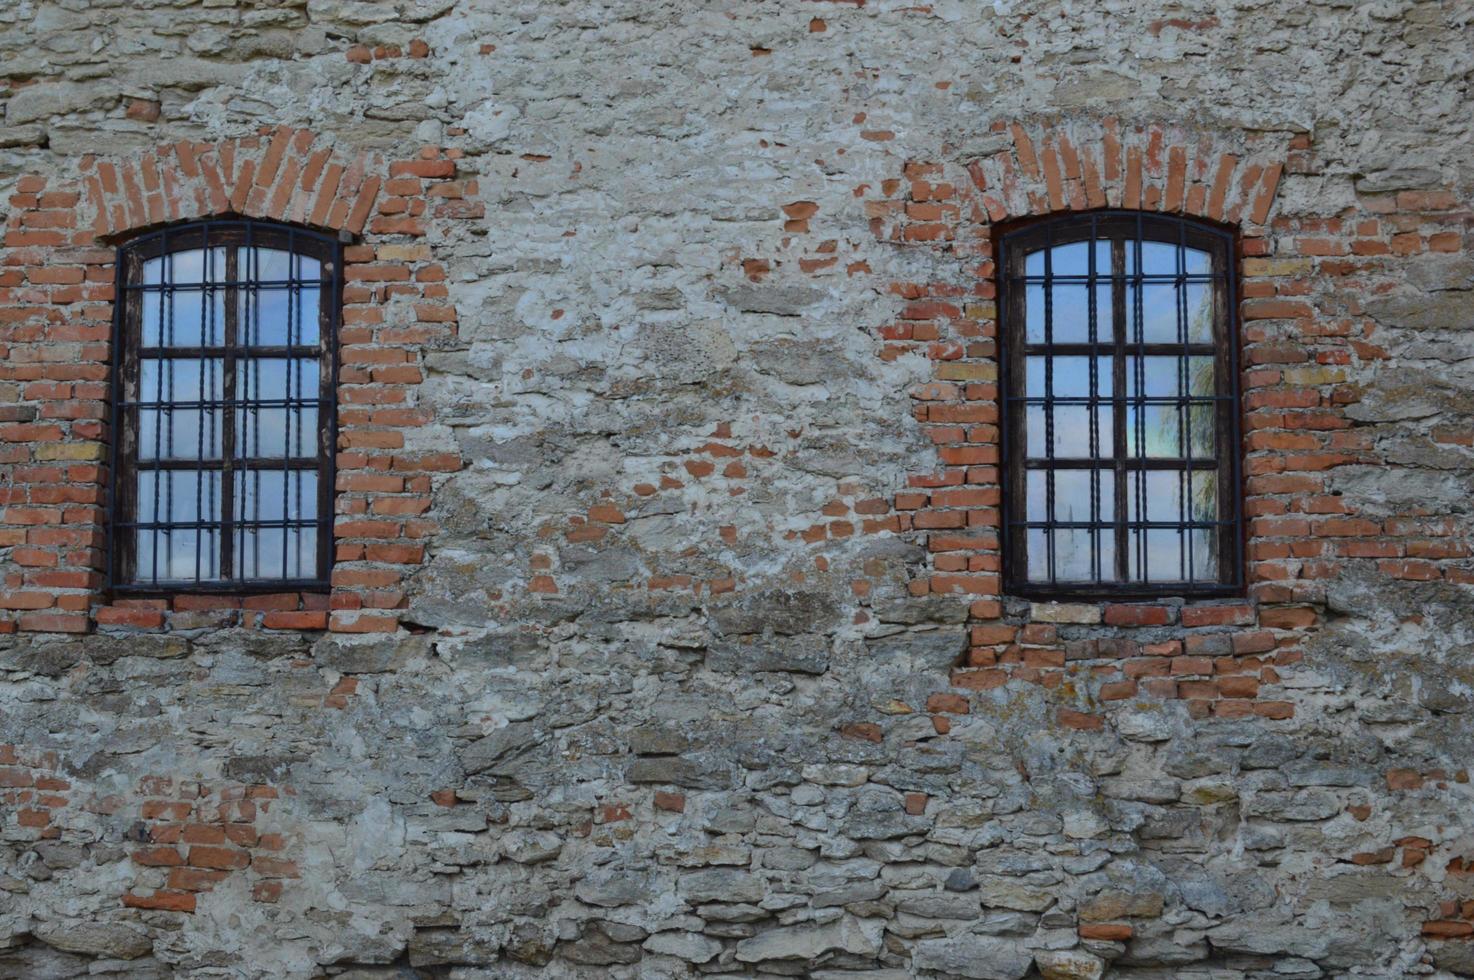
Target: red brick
(137,618)
(169,901)
(158,857)
(1134,615)
(222,858)
(1114,931)
(295,620)
(949,703)
(275,868)
(195,879)
(1448,929)
(1080,721)
(1235,615)
(1404,779)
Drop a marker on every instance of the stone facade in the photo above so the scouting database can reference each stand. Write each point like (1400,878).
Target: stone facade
(666,634)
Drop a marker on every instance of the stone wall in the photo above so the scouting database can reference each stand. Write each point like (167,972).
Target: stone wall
(666,635)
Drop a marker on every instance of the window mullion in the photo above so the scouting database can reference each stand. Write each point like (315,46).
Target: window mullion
(1118,399)
(227,423)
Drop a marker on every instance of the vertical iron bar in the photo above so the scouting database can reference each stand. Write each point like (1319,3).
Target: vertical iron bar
(1139,373)
(1119,405)
(1093,381)
(253,395)
(1049,531)
(1184,411)
(206,267)
(228,517)
(287,412)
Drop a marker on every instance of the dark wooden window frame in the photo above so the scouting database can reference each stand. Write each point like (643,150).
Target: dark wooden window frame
(235,235)
(1123,228)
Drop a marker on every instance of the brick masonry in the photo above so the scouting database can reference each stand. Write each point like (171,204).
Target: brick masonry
(666,633)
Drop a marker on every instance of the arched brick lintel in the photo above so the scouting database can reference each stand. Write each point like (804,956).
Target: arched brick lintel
(1051,166)
(282,174)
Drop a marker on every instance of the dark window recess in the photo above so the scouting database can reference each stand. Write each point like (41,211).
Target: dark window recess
(1120,397)
(223,417)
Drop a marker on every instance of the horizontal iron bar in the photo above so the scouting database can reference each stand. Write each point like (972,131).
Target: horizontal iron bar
(1129,278)
(308,352)
(1108,525)
(161,586)
(1129,462)
(195,287)
(255,464)
(1131,401)
(217,526)
(229,403)
(1109,588)
(1106,348)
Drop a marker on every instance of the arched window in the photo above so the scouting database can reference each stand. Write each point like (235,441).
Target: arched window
(1120,407)
(223,412)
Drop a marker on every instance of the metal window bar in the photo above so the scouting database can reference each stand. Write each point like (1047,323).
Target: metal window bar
(230,258)
(1143,561)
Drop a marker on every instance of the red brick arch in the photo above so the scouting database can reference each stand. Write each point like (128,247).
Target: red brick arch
(56,306)
(284,174)
(1052,166)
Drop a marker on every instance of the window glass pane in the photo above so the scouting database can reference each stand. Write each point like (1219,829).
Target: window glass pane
(188,431)
(1157,258)
(1070,374)
(276,553)
(276,317)
(1072,496)
(277,430)
(183,318)
(1034,314)
(266,378)
(1038,554)
(1204,495)
(1196,262)
(1202,431)
(1072,259)
(1073,559)
(1153,431)
(174,555)
(1200,309)
(287,499)
(1069,314)
(1156,555)
(1155,495)
(275,265)
(1071,432)
(178,497)
(188,267)
(1156,321)
(274,495)
(1162,376)
(1203,544)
